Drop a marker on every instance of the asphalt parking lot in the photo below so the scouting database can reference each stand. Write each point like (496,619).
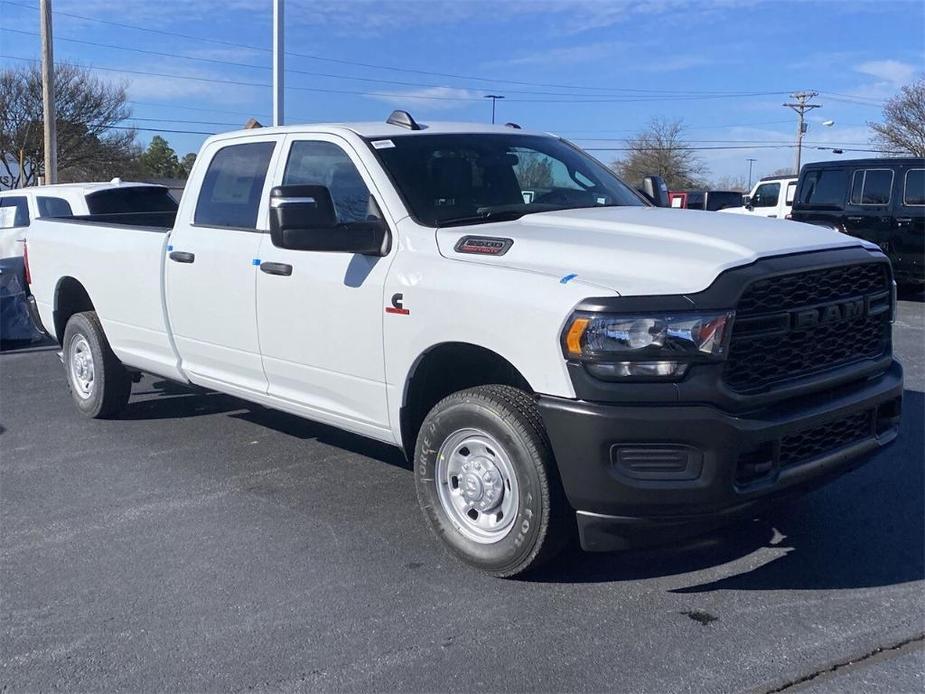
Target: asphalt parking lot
(204,544)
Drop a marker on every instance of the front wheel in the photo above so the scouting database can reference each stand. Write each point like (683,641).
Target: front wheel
(98,381)
(487,481)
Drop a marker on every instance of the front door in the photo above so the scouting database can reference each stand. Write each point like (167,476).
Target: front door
(765,199)
(320,323)
(907,243)
(210,271)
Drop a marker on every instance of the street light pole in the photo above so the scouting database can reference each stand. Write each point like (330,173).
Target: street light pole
(279,47)
(494,98)
(48,94)
(750,162)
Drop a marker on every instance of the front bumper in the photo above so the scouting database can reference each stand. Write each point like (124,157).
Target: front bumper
(736,463)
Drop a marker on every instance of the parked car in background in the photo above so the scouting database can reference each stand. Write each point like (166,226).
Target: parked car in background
(771,197)
(18,207)
(710,200)
(579,362)
(878,200)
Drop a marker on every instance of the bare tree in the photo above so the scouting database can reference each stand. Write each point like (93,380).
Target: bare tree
(735,183)
(91,144)
(786,171)
(903,128)
(661,150)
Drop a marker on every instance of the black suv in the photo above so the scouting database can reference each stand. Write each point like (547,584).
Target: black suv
(880,200)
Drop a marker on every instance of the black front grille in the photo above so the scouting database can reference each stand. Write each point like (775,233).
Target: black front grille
(759,359)
(812,443)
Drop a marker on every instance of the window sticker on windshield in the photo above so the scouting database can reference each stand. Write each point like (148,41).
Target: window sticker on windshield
(383,144)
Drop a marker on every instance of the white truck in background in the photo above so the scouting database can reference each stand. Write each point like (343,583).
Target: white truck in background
(771,197)
(579,364)
(19,207)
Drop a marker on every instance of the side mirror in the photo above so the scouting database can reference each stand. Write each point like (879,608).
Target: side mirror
(747,202)
(656,190)
(303,218)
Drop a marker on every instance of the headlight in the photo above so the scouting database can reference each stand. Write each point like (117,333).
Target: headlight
(659,346)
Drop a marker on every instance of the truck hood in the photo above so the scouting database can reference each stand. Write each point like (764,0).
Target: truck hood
(639,250)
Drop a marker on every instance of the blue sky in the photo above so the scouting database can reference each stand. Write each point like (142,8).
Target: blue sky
(579,68)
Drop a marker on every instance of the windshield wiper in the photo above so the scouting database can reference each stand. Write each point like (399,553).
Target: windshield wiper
(490,216)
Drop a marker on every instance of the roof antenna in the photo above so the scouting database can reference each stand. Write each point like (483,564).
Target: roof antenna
(512,125)
(403,119)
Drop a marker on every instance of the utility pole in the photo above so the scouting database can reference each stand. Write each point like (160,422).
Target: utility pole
(279,47)
(750,162)
(801,106)
(494,98)
(48,94)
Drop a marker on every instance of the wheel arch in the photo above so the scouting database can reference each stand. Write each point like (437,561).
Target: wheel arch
(445,368)
(70,297)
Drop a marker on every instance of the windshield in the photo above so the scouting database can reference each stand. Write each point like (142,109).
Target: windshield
(474,178)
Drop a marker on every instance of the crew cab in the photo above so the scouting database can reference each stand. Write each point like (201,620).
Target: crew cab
(573,362)
(772,197)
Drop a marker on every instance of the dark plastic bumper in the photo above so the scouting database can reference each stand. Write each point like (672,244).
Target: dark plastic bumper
(617,510)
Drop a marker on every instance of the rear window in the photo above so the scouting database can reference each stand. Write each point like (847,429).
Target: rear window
(914,193)
(131,199)
(871,187)
(53,207)
(721,199)
(823,188)
(230,195)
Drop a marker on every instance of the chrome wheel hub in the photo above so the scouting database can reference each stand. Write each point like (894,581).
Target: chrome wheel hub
(477,486)
(80,366)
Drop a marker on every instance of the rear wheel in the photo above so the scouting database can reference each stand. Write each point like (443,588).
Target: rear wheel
(98,381)
(487,481)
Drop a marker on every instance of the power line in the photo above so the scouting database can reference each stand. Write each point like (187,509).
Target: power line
(217,61)
(392,68)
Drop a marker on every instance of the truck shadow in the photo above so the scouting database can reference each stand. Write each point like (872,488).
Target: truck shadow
(178,401)
(865,530)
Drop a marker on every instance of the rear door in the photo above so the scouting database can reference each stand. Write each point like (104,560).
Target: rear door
(210,270)
(908,239)
(867,213)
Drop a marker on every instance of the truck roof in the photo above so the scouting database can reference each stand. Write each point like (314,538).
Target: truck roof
(374,130)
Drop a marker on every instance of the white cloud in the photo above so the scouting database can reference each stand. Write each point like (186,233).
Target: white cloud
(430,98)
(567,55)
(892,71)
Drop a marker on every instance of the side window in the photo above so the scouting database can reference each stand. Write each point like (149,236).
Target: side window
(53,207)
(823,188)
(914,189)
(231,190)
(325,164)
(871,187)
(766,195)
(791,192)
(18,218)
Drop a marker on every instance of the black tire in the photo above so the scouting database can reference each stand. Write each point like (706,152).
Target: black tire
(111,384)
(542,525)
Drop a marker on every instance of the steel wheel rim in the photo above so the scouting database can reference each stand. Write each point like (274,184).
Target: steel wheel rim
(477,486)
(80,367)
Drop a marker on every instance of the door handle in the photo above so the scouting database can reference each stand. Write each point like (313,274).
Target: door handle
(276,269)
(182,257)
(904,220)
(855,219)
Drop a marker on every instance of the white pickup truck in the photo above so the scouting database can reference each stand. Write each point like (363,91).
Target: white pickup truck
(558,357)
